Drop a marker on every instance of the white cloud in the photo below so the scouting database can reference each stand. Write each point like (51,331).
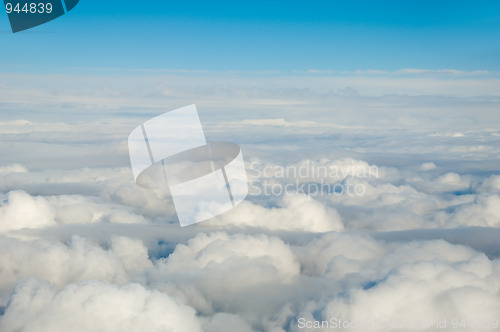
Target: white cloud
(491,185)
(226,322)
(107,254)
(430,289)
(95,306)
(80,259)
(279,122)
(83,210)
(428,166)
(296,213)
(14,168)
(24,211)
(484,211)
(21,210)
(410,283)
(237,274)
(216,252)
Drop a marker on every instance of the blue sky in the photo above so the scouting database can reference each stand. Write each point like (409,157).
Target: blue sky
(260,35)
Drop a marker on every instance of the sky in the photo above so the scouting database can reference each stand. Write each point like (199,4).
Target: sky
(260,35)
(371,138)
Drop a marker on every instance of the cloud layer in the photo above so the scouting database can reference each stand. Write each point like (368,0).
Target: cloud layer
(372,195)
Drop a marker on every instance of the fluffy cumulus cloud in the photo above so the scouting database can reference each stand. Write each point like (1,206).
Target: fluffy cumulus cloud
(24,211)
(95,306)
(62,263)
(412,286)
(221,281)
(213,268)
(382,210)
(279,262)
(297,213)
(21,210)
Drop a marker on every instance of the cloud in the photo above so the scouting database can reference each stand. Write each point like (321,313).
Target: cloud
(247,282)
(218,272)
(22,210)
(428,166)
(82,210)
(110,192)
(239,253)
(407,97)
(407,284)
(280,122)
(490,185)
(297,213)
(95,306)
(430,289)
(227,322)
(78,260)
(14,168)
(484,211)
(82,244)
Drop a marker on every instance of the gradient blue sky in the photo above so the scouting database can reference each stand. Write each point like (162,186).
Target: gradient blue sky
(260,35)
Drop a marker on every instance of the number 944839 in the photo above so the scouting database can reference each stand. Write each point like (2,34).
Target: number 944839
(29,8)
